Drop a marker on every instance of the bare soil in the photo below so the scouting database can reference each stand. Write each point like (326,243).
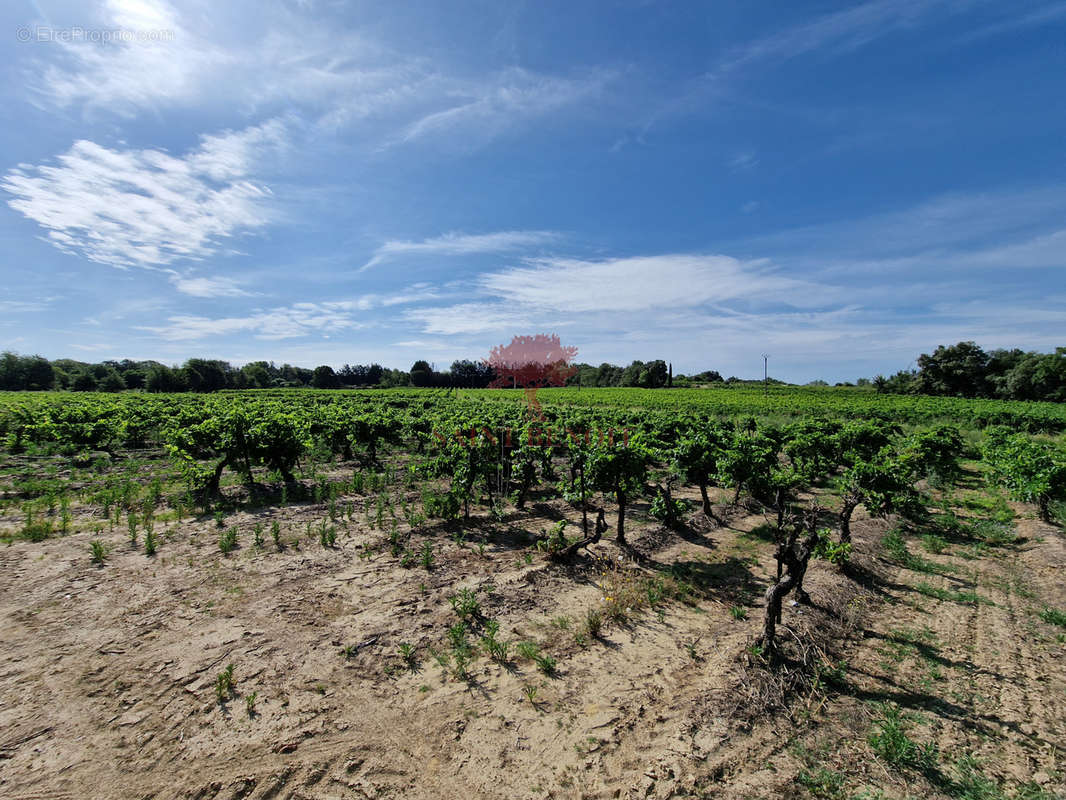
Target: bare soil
(108,673)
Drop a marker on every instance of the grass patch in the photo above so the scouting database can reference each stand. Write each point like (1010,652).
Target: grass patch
(948,594)
(891,742)
(1053,616)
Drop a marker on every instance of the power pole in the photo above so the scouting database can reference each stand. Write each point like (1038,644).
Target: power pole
(765,379)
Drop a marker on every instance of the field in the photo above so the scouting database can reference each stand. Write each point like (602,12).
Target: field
(415,594)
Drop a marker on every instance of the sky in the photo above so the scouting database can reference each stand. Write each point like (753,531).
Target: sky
(840,186)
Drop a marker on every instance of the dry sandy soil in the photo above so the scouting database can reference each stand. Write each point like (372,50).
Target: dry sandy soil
(107,677)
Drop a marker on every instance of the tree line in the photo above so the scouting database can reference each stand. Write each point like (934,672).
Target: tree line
(959,370)
(36,373)
(966,370)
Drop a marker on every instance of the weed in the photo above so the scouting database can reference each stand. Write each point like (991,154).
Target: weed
(227,541)
(546,664)
(690,648)
(220,520)
(994,533)
(465,604)
(934,544)
(891,743)
(249,703)
(408,653)
(528,650)
(531,695)
(1053,616)
(738,612)
(426,557)
(327,535)
(970,782)
(225,684)
(947,594)
(823,782)
(349,650)
(99,551)
(594,622)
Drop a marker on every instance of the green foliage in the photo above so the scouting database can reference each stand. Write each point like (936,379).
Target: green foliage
(1053,616)
(98,551)
(1031,471)
(227,540)
(225,684)
(465,604)
(836,553)
(890,741)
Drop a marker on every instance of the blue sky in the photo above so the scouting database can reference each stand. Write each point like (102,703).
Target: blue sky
(842,186)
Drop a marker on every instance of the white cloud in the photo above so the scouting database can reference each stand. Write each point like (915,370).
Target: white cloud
(416,293)
(299,319)
(283,58)
(129,75)
(841,31)
(743,161)
(145,207)
(21,306)
(1021,227)
(470,318)
(645,282)
(459,244)
(484,109)
(208,287)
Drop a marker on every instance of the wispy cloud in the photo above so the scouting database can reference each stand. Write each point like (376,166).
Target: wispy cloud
(22,306)
(460,244)
(297,320)
(145,207)
(642,283)
(482,110)
(343,78)
(209,287)
(416,293)
(1003,229)
(840,31)
(470,318)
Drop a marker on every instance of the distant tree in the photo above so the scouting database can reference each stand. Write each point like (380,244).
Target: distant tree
(37,373)
(421,374)
(205,375)
(257,375)
(957,370)
(84,382)
(471,374)
(112,382)
(707,376)
(608,375)
(165,379)
(632,374)
(655,374)
(394,377)
(1037,376)
(325,378)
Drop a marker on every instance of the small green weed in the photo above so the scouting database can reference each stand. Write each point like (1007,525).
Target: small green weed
(225,684)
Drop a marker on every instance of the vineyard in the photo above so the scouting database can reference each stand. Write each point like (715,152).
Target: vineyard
(733,592)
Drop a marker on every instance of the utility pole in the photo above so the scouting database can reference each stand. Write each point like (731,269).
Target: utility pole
(765,379)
